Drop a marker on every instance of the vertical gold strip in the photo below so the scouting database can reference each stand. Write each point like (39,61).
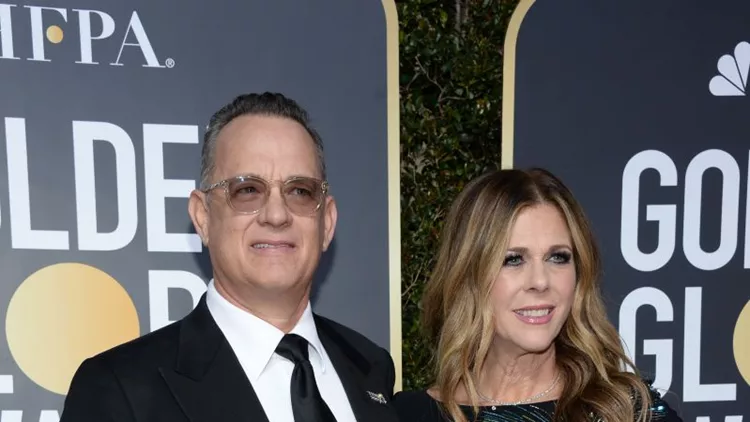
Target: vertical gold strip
(509,81)
(394,186)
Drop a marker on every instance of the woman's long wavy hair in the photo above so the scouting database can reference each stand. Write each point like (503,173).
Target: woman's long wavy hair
(458,318)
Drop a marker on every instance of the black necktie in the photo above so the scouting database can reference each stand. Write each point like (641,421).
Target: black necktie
(307,404)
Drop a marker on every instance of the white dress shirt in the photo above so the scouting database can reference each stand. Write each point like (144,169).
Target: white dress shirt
(254,342)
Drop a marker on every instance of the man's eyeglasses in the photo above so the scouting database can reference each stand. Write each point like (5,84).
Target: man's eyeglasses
(249,194)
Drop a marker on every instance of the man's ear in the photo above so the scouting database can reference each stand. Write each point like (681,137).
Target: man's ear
(198,210)
(330,214)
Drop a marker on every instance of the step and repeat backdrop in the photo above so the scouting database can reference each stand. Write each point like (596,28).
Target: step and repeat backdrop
(103,107)
(643,108)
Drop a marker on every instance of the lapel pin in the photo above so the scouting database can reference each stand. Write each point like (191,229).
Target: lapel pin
(377,397)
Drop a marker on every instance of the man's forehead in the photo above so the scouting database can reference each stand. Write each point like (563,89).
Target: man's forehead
(265,133)
(259,125)
(267,153)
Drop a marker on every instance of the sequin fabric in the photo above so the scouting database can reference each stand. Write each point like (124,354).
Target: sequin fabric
(536,412)
(420,407)
(542,412)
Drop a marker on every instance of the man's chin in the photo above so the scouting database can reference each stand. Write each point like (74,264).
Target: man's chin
(278,281)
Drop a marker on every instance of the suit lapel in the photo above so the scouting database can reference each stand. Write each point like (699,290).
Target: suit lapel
(208,381)
(353,370)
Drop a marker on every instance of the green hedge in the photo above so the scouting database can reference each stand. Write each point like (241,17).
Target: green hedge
(451,93)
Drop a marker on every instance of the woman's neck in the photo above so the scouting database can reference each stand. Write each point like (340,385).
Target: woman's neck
(508,377)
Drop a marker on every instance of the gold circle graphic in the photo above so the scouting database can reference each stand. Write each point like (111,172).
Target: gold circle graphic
(63,314)
(54,34)
(741,343)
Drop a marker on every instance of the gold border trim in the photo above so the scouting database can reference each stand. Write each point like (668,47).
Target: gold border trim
(394,186)
(509,82)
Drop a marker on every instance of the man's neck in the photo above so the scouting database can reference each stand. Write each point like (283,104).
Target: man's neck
(282,309)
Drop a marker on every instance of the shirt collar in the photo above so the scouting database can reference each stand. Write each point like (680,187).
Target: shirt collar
(255,340)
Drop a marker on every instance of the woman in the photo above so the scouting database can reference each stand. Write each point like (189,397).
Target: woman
(515,313)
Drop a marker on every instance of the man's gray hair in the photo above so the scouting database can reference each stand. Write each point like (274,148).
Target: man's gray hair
(265,104)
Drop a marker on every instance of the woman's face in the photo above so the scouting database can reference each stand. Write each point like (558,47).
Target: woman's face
(533,293)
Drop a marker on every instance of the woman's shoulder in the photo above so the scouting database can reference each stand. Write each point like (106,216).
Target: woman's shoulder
(416,405)
(660,410)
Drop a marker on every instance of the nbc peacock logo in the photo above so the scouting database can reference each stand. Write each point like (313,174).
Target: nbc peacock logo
(733,72)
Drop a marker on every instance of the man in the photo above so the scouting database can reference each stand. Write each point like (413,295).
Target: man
(252,350)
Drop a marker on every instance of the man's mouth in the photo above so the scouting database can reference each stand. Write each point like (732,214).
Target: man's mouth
(280,245)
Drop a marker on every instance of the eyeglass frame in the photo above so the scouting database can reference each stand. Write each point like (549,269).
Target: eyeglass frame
(324,187)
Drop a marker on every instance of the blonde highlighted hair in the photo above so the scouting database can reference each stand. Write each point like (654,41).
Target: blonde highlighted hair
(458,319)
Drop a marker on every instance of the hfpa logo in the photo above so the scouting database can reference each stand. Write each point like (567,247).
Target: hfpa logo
(35,17)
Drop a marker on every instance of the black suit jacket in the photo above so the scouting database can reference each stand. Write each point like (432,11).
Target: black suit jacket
(187,371)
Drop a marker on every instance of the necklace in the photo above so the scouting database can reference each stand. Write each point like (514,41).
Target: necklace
(496,403)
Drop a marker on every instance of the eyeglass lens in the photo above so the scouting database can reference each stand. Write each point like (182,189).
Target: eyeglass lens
(302,196)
